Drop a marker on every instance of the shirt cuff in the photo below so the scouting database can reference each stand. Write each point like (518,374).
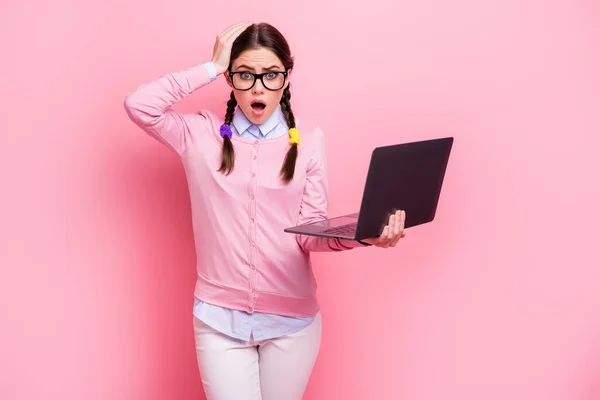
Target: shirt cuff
(212,71)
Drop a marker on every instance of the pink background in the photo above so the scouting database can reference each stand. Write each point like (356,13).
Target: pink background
(497,299)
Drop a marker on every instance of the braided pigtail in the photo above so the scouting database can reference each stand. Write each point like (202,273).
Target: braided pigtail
(289,164)
(228,155)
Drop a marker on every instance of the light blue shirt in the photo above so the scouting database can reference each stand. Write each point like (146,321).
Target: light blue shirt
(236,323)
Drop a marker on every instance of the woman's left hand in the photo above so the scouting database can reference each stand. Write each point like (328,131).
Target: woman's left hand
(392,232)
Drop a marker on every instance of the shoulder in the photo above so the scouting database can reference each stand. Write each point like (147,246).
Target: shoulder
(204,123)
(311,134)
(209,116)
(312,143)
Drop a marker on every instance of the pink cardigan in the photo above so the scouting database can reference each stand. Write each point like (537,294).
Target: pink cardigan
(245,261)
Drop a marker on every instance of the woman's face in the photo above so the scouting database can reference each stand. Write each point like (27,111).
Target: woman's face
(258,103)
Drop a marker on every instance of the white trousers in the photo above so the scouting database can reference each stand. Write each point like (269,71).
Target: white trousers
(272,369)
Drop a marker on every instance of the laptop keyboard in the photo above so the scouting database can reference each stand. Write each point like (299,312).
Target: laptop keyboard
(343,230)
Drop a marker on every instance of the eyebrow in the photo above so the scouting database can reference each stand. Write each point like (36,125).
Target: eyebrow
(266,69)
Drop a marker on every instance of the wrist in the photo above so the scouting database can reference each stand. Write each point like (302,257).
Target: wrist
(211,69)
(219,69)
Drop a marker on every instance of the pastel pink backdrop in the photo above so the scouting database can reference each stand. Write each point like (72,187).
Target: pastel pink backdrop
(497,299)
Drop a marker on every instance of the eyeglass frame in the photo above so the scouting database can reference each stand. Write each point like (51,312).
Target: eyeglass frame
(257,77)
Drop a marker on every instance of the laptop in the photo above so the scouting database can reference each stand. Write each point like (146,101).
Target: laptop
(405,176)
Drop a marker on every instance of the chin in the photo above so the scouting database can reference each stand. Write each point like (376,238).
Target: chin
(258,120)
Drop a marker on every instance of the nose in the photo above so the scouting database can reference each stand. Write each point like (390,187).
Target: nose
(258,87)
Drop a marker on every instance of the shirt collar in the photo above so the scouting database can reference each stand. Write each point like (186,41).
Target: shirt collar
(241,123)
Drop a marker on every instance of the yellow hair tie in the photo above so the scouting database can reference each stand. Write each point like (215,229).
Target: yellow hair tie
(294,136)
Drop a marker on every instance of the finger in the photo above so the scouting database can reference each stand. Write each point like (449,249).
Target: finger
(396,230)
(390,231)
(398,224)
(227,37)
(383,235)
(384,239)
(227,31)
(391,225)
(236,32)
(232,28)
(228,41)
(402,222)
(397,239)
(231,36)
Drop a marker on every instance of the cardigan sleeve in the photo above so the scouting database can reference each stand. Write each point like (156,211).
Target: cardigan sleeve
(314,205)
(149,107)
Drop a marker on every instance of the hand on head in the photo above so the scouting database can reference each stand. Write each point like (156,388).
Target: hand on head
(223,44)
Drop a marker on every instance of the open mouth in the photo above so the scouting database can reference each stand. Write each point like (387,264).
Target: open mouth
(258,105)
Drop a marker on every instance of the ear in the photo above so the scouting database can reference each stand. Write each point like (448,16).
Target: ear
(226,75)
(287,80)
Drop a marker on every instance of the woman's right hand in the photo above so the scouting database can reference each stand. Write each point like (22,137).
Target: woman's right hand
(223,44)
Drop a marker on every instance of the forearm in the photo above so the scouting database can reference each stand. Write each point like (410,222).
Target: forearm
(148,104)
(322,244)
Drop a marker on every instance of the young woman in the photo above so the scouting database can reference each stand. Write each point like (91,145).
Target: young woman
(250,175)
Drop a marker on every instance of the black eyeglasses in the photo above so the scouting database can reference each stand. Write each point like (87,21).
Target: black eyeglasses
(244,80)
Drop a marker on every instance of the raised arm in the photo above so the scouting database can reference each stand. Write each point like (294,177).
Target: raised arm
(149,106)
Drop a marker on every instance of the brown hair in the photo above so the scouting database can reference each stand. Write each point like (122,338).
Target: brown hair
(259,36)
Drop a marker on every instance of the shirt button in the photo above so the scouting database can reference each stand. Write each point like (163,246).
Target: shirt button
(255,157)
(252,220)
(254,174)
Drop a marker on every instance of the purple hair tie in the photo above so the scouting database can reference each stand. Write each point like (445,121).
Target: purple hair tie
(225,131)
